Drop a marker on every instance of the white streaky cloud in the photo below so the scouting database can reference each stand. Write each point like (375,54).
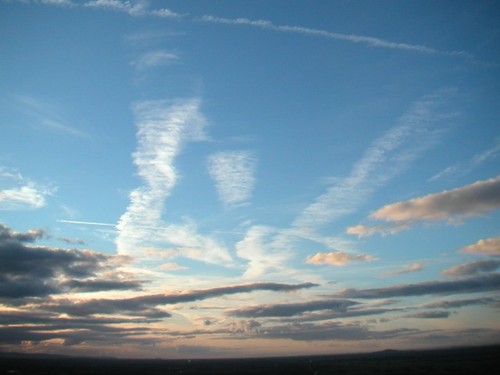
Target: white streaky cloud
(163,127)
(410,268)
(490,246)
(233,173)
(63,3)
(338,258)
(465,168)
(359,39)
(262,254)
(29,196)
(47,115)
(385,158)
(137,8)
(164,13)
(364,231)
(155,59)
(171,267)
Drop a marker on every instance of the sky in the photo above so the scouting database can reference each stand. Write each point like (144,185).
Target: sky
(212,179)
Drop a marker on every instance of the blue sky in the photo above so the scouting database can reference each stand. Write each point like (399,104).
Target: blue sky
(236,178)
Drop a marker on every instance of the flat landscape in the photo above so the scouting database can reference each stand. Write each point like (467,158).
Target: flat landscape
(477,360)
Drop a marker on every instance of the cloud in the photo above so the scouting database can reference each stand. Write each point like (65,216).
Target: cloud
(163,128)
(473,200)
(338,258)
(140,305)
(39,271)
(459,303)
(490,246)
(155,59)
(482,283)
(472,268)
(464,168)
(414,267)
(387,156)
(358,39)
(291,309)
(430,315)
(132,8)
(47,115)
(19,193)
(233,173)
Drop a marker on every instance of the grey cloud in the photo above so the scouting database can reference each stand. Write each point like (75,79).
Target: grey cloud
(140,304)
(291,309)
(331,331)
(476,284)
(36,271)
(460,303)
(430,315)
(473,268)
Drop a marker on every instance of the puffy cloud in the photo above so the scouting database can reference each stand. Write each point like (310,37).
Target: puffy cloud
(472,268)
(38,271)
(338,258)
(291,309)
(482,283)
(490,246)
(233,173)
(414,267)
(476,199)
(29,196)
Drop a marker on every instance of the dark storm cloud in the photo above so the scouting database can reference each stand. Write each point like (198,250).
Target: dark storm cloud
(136,305)
(36,271)
(483,283)
(291,309)
(472,268)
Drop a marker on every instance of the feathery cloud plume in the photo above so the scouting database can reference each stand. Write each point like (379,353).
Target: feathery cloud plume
(155,59)
(338,258)
(385,158)
(490,246)
(163,128)
(233,173)
(358,39)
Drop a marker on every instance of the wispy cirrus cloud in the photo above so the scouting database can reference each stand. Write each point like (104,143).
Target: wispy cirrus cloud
(132,8)
(155,59)
(464,168)
(234,175)
(163,128)
(338,258)
(351,38)
(452,206)
(490,246)
(388,156)
(47,116)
